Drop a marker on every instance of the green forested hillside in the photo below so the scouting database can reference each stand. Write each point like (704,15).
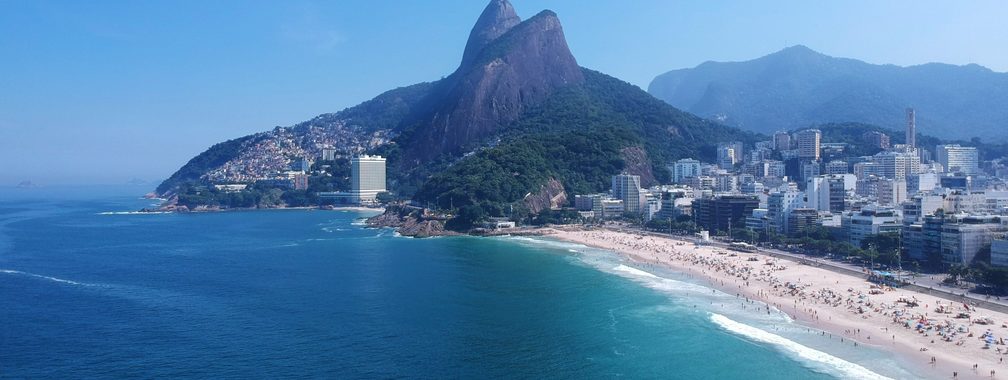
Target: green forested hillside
(577,137)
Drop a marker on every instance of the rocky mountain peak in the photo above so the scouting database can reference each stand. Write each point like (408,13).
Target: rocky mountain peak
(497,18)
(512,72)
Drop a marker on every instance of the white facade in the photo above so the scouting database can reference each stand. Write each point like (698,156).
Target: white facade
(897,165)
(958,159)
(627,188)
(328,154)
(960,242)
(891,192)
(685,168)
(779,206)
(867,222)
(367,178)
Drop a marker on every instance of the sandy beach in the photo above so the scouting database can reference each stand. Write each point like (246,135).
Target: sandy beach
(941,336)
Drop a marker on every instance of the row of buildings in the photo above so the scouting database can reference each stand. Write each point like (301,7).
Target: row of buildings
(943,205)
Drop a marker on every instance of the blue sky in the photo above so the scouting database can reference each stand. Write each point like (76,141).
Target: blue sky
(106,91)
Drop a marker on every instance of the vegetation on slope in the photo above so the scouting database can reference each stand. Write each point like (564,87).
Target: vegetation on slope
(577,137)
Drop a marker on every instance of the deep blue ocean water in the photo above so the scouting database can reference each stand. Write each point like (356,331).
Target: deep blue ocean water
(86,292)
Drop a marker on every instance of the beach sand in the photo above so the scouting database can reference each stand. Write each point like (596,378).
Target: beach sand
(842,306)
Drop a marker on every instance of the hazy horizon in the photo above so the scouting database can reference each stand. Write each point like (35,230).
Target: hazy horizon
(103,93)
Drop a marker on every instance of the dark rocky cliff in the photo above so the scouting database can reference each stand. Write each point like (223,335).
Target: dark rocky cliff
(498,80)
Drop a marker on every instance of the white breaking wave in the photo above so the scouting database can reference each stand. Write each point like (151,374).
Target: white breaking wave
(634,271)
(842,368)
(570,247)
(54,279)
(665,284)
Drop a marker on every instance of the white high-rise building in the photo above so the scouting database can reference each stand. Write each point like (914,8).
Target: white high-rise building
(627,188)
(958,159)
(808,143)
(897,165)
(685,168)
(779,206)
(367,178)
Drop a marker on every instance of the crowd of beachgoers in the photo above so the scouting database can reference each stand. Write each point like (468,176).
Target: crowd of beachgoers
(951,339)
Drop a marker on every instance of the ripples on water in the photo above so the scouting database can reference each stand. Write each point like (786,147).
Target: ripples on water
(86,293)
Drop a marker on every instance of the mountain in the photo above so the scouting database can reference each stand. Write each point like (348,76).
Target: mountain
(519,123)
(497,81)
(797,86)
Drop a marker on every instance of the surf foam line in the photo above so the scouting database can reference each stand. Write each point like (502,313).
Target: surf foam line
(689,288)
(843,368)
(548,243)
(54,279)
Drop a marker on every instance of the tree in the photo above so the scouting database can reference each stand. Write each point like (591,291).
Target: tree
(385,197)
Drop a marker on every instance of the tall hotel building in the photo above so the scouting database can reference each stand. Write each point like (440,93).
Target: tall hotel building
(367,178)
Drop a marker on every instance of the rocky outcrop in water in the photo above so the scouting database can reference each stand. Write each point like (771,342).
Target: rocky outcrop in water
(409,221)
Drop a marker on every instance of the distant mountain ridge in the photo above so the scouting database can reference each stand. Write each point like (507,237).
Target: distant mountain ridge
(797,87)
(519,123)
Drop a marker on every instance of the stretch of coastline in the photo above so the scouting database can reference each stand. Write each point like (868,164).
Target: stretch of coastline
(944,337)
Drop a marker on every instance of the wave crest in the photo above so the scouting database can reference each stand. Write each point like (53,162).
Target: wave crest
(842,368)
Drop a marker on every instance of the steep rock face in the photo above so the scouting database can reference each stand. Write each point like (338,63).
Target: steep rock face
(550,196)
(510,74)
(497,18)
(638,163)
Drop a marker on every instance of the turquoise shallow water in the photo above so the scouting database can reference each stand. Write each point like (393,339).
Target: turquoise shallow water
(87,292)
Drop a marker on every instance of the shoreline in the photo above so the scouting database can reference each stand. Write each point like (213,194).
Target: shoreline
(161,210)
(837,304)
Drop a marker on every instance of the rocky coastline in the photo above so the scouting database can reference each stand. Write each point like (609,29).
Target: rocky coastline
(410,221)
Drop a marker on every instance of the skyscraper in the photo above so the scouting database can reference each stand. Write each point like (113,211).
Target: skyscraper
(627,187)
(808,143)
(958,159)
(367,178)
(911,129)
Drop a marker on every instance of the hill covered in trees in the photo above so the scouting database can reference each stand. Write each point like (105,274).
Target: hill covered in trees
(518,117)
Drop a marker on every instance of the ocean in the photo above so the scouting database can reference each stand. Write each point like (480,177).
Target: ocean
(90,290)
